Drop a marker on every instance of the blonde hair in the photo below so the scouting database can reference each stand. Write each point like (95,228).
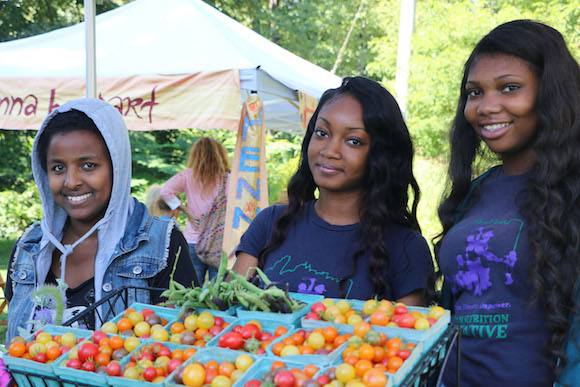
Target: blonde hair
(209,161)
(153,195)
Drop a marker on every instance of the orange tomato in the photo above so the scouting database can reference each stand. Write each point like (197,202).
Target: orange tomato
(201,333)
(379,317)
(306,350)
(362,366)
(226,368)
(394,364)
(212,364)
(177,354)
(351,359)
(338,340)
(102,358)
(277,348)
(384,339)
(106,349)
(200,343)
(277,364)
(298,338)
(391,352)
(189,352)
(124,324)
(361,328)
(379,354)
(17,349)
(329,333)
(289,341)
(177,327)
(265,344)
(280,331)
(394,342)
(374,378)
(128,311)
(210,373)
(366,351)
(53,352)
(310,370)
(348,351)
(117,342)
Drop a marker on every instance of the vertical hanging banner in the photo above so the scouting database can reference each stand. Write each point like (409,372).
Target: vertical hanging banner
(308,105)
(248,185)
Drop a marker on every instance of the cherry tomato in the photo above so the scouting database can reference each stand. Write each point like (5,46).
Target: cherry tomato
(114,368)
(193,375)
(149,374)
(88,351)
(312,316)
(400,309)
(317,307)
(173,364)
(323,380)
(285,379)
(89,365)
(74,363)
(250,331)
(41,357)
(253,383)
(97,336)
(231,340)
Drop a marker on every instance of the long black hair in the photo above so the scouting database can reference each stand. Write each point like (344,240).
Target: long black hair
(387,180)
(553,191)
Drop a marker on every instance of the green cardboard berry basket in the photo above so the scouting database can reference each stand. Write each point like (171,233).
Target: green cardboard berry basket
(287,318)
(29,373)
(220,355)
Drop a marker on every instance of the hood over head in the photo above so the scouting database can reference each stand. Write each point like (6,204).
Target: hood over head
(111,227)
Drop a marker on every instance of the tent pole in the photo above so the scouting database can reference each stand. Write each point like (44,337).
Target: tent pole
(91,77)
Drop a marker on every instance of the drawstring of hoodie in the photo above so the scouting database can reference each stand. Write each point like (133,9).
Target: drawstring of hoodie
(66,250)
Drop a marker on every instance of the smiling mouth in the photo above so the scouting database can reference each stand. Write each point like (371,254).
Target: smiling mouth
(79,198)
(495,127)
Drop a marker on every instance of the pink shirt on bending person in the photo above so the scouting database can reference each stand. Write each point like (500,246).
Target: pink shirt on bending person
(198,204)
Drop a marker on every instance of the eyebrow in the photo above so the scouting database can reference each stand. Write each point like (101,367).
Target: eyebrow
(83,158)
(350,128)
(495,79)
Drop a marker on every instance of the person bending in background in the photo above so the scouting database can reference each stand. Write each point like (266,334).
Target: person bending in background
(94,237)
(359,239)
(207,166)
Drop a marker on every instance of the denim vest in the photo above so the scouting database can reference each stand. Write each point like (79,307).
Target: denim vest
(140,256)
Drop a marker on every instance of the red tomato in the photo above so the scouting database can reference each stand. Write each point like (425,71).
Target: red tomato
(285,379)
(323,380)
(218,321)
(173,364)
(97,336)
(267,336)
(147,355)
(88,351)
(404,354)
(317,307)
(74,363)
(253,383)
(400,309)
(114,368)
(41,357)
(250,331)
(89,365)
(146,312)
(231,340)
(237,328)
(149,374)
(164,352)
(312,316)
(156,347)
(407,320)
(215,330)
(431,321)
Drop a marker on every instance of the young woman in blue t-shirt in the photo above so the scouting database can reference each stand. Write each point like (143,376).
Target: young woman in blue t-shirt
(510,245)
(358,238)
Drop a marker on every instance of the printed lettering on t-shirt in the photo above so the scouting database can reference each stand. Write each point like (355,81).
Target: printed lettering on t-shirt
(314,282)
(476,262)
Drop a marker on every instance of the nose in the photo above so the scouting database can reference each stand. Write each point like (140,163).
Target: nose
(72,179)
(331,149)
(489,104)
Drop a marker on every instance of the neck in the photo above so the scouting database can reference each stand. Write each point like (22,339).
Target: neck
(518,165)
(339,209)
(75,230)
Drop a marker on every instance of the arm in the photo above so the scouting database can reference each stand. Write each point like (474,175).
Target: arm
(169,190)
(8,287)
(190,215)
(184,272)
(244,263)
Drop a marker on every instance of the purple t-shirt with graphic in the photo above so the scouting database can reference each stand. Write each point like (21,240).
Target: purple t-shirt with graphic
(316,255)
(486,259)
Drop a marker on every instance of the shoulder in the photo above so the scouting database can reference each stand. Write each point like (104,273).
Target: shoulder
(406,241)
(271,213)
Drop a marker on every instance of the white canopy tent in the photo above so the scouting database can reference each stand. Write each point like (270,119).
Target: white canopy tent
(159,38)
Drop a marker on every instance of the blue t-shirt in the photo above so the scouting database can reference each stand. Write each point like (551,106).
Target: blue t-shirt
(316,256)
(486,259)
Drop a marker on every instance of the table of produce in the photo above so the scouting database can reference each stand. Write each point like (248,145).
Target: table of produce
(210,337)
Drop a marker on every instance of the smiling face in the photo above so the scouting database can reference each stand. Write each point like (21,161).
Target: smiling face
(501,95)
(80,175)
(339,147)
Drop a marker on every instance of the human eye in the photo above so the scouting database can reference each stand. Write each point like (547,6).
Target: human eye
(472,93)
(355,141)
(89,166)
(509,88)
(57,168)
(320,132)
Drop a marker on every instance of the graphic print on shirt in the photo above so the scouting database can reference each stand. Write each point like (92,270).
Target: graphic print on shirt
(475,263)
(312,281)
(486,264)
